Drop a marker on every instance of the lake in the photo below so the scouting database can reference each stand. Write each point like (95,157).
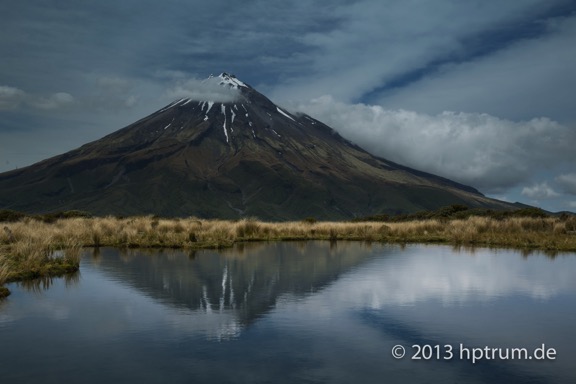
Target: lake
(297,312)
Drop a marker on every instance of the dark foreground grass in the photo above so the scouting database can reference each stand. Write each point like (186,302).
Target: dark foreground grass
(31,248)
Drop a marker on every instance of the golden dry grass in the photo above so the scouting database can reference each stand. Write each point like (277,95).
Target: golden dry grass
(32,248)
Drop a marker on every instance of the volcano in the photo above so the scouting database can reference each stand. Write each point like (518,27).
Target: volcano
(243,157)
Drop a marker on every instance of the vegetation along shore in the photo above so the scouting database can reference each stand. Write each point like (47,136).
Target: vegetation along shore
(50,245)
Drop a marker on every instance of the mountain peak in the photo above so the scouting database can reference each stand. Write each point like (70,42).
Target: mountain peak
(232,81)
(231,157)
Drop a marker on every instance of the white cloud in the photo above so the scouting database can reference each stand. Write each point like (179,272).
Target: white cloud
(531,78)
(572,204)
(373,42)
(131,101)
(112,93)
(568,182)
(484,151)
(114,83)
(202,90)
(539,191)
(54,101)
(10,97)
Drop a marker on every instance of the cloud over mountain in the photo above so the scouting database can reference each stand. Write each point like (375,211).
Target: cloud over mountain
(206,89)
(477,149)
(539,191)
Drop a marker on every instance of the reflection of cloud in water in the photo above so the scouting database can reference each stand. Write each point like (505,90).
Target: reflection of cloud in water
(421,273)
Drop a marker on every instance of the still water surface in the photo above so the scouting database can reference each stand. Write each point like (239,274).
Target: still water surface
(292,312)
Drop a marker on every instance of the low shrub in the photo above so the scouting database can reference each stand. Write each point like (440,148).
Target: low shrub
(10,216)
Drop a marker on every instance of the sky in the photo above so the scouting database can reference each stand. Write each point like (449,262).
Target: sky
(481,92)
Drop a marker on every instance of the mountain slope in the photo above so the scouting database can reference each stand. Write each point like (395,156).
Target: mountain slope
(246,157)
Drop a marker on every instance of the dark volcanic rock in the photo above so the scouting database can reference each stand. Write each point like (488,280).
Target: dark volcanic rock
(234,159)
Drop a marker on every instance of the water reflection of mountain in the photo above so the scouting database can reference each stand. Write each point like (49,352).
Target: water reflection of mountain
(244,282)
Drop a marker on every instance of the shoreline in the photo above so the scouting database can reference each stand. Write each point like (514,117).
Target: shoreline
(31,248)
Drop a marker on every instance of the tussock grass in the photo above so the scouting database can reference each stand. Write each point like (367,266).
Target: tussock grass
(32,248)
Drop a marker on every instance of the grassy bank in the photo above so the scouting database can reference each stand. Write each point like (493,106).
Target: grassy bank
(32,248)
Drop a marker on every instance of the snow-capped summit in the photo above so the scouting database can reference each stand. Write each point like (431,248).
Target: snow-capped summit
(231,81)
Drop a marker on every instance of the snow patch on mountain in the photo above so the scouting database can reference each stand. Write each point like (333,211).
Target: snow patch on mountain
(285,114)
(223,109)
